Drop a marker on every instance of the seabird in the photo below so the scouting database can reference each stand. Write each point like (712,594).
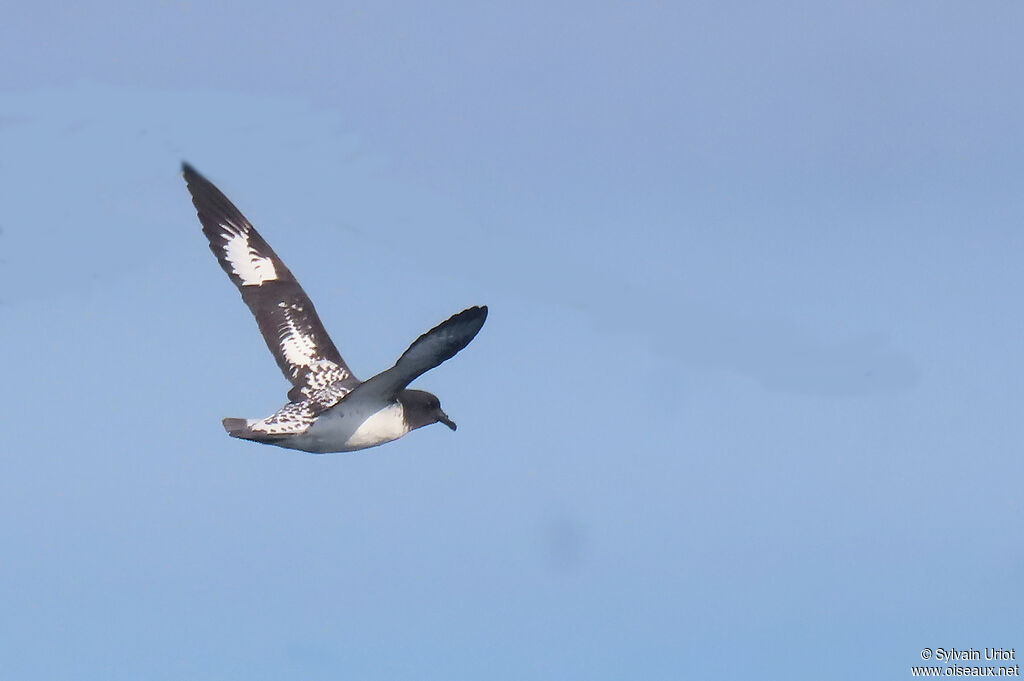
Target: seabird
(329,409)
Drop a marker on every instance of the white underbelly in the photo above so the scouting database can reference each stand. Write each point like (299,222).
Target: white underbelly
(346,428)
(382,426)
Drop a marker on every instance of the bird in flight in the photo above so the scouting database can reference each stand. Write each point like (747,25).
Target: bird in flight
(329,409)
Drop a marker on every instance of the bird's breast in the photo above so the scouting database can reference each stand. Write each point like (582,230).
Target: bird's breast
(358,426)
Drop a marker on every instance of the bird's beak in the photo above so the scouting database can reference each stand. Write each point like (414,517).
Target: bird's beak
(443,418)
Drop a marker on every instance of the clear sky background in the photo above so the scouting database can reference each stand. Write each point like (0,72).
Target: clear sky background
(748,403)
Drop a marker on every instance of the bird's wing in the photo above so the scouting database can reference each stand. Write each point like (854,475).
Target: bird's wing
(439,344)
(283,311)
(293,418)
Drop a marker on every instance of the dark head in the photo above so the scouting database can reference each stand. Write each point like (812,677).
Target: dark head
(422,408)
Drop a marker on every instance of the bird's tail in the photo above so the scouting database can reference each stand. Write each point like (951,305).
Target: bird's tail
(241,428)
(236,427)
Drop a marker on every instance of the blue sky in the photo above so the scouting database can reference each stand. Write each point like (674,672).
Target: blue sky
(746,405)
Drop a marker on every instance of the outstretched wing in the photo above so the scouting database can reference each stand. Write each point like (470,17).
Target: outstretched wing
(439,344)
(283,311)
(293,418)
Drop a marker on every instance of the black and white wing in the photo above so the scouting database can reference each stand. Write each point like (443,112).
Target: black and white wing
(283,311)
(293,418)
(439,344)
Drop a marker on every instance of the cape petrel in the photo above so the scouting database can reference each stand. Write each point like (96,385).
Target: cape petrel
(329,409)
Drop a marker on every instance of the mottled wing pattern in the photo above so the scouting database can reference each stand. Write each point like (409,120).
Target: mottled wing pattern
(283,311)
(293,418)
(438,345)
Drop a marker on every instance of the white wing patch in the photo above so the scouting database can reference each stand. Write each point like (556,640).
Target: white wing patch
(324,374)
(299,348)
(246,263)
(300,351)
(284,313)
(293,418)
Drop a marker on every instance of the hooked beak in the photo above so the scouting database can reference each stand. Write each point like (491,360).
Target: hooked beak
(443,418)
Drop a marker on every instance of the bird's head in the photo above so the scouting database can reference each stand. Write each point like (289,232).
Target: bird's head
(422,408)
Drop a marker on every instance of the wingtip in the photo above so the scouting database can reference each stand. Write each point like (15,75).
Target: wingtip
(474,317)
(477,315)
